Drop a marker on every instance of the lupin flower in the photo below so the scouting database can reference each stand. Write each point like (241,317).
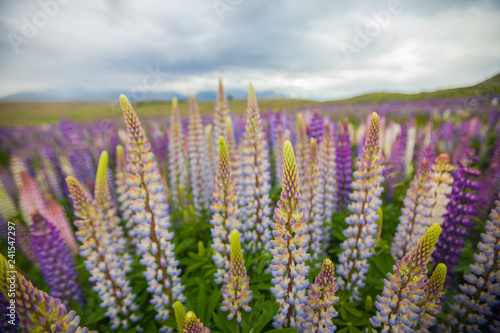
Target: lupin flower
(121,190)
(235,291)
(211,149)
(176,155)
(489,187)
(278,156)
(199,162)
(288,265)
(221,112)
(30,197)
(302,146)
(103,246)
(474,307)
(317,127)
(416,213)
(194,325)
(225,213)
(180,316)
(232,146)
(460,209)
(254,182)
(400,303)
(344,164)
(38,311)
(319,310)
(150,213)
(312,202)
(56,215)
(7,206)
(328,172)
(441,188)
(362,231)
(430,303)
(52,177)
(394,171)
(56,263)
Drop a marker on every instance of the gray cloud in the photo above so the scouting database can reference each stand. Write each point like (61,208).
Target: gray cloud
(293,47)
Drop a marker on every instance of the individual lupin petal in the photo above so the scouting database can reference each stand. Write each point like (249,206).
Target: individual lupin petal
(180,316)
(36,309)
(319,310)
(415,217)
(199,161)
(362,231)
(225,213)
(236,292)
(253,183)
(474,307)
(400,303)
(288,266)
(56,263)
(460,210)
(344,164)
(150,213)
(430,303)
(193,324)
(177,158)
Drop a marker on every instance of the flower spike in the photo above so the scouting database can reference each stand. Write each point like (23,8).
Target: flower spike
(289,246)
(400,303)
(194,325)
(319,310)
(150,214)
(180,316)
(362,231)
(176,154)
(430,303)
(225,214)
(344,164)
(236,292)
(221,112)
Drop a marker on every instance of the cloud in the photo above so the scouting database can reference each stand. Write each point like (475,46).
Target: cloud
(292,47)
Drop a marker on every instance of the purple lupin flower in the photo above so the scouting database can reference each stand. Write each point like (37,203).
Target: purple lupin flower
(489,185)
(460,209)
(9,322)
(395,170)
(193,324)
(316,127)
(344,165)
(56,263)
(319,310)
(400,303)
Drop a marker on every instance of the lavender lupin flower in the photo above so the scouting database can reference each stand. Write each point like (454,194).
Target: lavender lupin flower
(232,146)
(221,112)
(176,155)
(302,146)
(212,151)
(289,246)
(316,128)
(278,156)
(395,169)
(235,291)
(319,310)
(254,182)
(225,213)
(416,213)
(430,302)
(193,324)
(38,311)
(148,202)
(474,307)
(328,172)
(362,231)
(104,251)
(344,164)
(56,263)
(9,322)
(441,188)
(312,202)
(460,209)
(398,306)
(199,162)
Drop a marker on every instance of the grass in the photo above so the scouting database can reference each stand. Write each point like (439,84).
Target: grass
(34,113)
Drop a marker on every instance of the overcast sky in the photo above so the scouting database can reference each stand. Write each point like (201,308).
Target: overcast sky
(306,49)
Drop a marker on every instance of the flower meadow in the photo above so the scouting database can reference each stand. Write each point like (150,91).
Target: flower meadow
(359,218)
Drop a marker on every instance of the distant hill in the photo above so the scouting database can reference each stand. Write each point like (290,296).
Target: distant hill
(490,86)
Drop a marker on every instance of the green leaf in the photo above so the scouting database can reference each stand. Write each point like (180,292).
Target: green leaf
(353,311)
